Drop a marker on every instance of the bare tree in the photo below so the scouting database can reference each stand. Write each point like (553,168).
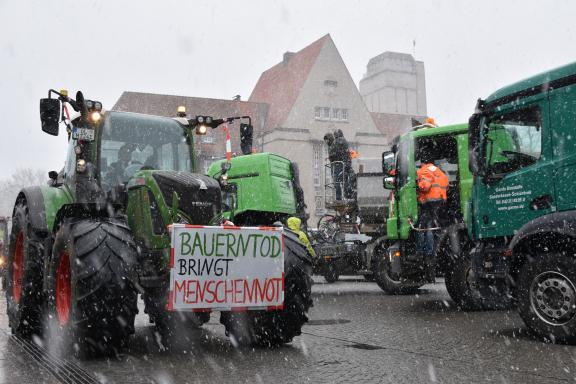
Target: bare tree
(10,187)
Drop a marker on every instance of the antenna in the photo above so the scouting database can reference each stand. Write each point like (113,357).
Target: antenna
(414,48)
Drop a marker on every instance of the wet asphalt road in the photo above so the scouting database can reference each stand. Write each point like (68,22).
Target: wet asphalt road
(356,333)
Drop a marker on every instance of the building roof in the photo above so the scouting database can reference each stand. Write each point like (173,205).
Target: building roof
(280,85)
(166,105)
(392,125)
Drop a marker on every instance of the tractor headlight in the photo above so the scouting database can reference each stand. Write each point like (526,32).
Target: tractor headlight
(95,116)
(201,129)
(81,166)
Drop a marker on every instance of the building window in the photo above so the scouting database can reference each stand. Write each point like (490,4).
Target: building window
(336,113)
(331,83)
(332,114)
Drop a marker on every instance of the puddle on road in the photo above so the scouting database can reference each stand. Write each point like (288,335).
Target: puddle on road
(366,347)
(327,322)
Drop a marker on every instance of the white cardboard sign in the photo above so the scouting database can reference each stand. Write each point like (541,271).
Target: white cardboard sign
(226,268)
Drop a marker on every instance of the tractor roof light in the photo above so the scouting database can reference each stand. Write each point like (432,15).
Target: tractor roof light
(181,111)
(97,106)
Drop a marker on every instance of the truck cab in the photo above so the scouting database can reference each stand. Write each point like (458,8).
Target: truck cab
(524,216)
(448,146)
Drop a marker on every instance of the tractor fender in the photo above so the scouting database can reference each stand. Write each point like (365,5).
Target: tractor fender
(36,208)
(552,226)
(84,211)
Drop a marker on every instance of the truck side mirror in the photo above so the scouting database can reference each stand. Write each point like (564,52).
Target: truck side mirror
(390,182)
(387,162)
(50,115)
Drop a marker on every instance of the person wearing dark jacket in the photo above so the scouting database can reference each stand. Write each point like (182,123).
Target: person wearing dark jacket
(344,165)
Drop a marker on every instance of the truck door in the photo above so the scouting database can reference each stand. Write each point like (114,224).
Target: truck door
(563,119)
(516,186)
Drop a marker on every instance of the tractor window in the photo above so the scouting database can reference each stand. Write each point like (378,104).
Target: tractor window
(131,142)
(70,166)
(513,141)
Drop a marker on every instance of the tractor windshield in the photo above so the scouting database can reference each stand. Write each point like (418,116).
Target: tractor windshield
(133,142)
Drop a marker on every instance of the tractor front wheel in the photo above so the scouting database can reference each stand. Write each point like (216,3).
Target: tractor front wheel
(91,302)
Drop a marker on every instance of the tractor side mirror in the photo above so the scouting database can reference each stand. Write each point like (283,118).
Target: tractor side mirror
(53,175)
(388,160)
(246,134)
(390,182)
(50,115)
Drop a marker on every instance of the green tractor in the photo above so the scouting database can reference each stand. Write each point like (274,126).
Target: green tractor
(82,248)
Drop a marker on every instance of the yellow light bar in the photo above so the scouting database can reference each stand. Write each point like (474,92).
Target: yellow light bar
(64,92)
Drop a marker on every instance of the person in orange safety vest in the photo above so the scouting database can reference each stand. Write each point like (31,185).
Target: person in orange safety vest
(432,189)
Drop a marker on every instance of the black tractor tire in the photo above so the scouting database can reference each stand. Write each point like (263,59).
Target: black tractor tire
(91,276)
(387,282)
(547,297)
(173,328)
(330,272)
(24,275)
(276,327)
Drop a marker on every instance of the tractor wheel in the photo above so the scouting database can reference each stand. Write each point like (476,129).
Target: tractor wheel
(389,283)
(173,327)
(330,272)
(273,328)
(547,297)
(24,275)
(92,300)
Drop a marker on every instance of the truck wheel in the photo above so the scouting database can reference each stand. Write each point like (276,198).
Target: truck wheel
(387,282)
(547,297)
(24,275)
(470,295)
(330,272)
(92,301)
(171,326)
(459,284)
(267,329)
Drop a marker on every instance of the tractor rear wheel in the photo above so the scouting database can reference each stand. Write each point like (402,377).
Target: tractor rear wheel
(273,328)
(24,275)
(92,300)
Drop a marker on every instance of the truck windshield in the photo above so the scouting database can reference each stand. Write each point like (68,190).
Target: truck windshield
(132,142)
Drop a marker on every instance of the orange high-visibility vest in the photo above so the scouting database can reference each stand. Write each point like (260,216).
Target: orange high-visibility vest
(432,183)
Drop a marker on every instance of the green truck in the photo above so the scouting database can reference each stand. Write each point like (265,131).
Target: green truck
(522,215)
(398,268)
(83,248)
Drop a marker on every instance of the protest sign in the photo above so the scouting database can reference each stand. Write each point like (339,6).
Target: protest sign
(226,268)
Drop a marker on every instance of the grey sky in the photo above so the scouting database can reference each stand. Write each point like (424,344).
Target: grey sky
(219,48)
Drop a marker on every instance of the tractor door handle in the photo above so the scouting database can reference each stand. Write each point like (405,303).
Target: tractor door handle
(541,202)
